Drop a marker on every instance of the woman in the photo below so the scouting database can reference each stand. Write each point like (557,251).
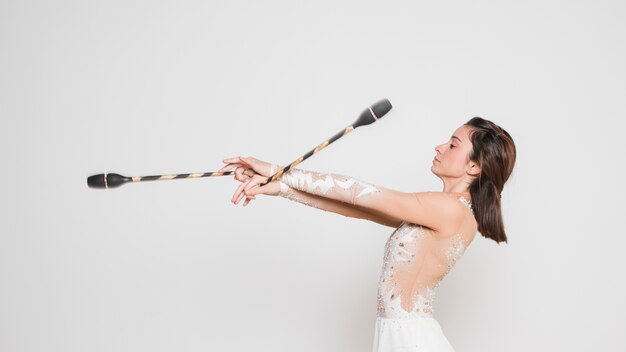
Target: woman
(432,229)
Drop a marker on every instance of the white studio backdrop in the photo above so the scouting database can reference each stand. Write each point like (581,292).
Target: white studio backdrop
(160,87)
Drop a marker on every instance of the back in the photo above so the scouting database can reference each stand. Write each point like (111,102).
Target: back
(416,260)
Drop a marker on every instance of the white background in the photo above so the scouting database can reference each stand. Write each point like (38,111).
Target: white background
(160,87)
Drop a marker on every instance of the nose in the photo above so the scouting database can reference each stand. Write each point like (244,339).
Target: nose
(438,149)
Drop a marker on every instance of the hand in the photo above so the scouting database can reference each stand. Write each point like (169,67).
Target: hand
(251,172)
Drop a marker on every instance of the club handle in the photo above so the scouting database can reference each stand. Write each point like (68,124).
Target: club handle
(368,116)
(114,180)
(280,172)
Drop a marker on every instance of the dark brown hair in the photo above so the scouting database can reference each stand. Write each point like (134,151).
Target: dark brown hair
(494,150)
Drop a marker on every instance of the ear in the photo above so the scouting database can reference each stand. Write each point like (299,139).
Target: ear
(474,169)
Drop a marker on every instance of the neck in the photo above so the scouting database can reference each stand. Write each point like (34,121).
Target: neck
(456,185)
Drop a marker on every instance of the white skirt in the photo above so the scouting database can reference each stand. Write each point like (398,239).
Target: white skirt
(422,334)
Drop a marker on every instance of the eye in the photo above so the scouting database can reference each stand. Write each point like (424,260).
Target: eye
(452,146)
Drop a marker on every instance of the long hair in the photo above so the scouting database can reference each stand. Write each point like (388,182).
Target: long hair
(494,151)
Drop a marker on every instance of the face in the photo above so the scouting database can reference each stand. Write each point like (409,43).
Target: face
(452,159)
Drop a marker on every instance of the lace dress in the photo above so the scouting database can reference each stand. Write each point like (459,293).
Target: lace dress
(415,261)
(415,258)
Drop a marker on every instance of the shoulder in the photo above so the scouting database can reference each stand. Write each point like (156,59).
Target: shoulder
(445,199)
(439,211)
(446,207)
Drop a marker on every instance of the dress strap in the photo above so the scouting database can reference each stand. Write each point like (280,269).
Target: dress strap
(466,202)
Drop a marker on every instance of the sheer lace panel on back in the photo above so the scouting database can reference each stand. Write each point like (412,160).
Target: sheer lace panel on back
(415,261)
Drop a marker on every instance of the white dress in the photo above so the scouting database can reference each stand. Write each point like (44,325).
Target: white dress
(415,262)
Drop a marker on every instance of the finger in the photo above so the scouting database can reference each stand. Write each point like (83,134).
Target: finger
(244,194)
(248,200)
(237,160)
(236,163)
(247,160)
(239,174)
(238,192)
(232,160)
(241,195)
(251,190)
(240,178)
(229,166)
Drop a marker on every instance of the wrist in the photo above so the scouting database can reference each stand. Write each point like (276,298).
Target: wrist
(284,188)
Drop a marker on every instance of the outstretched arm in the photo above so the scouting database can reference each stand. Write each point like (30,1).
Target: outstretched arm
(330,205)
(432,209)
(262,169)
